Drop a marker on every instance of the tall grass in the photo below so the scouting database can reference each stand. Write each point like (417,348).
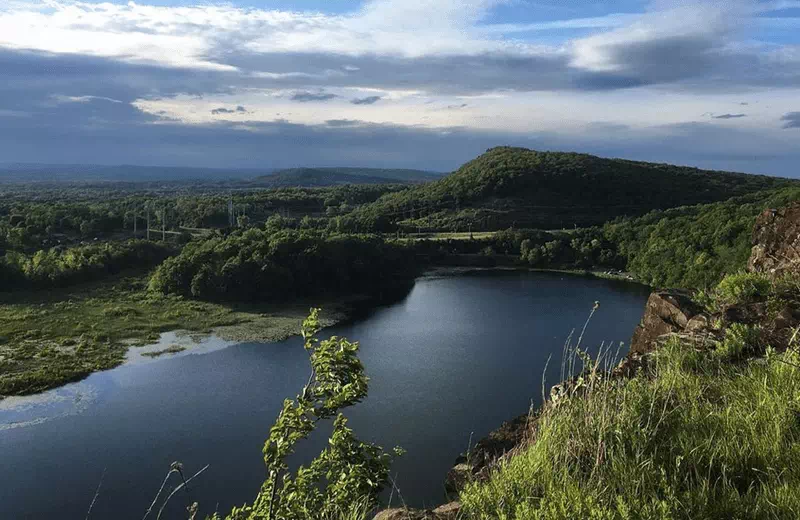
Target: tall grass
(691,436)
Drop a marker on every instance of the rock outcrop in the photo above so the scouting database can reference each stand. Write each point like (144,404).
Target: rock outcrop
(487,452)
(666,312)
(776,241)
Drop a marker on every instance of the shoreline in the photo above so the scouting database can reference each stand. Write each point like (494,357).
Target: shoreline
(131,325)
(607,274)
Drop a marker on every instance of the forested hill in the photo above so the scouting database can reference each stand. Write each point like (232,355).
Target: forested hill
(310,177)
(526,188)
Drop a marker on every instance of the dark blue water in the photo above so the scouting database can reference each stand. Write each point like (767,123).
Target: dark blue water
(455,358)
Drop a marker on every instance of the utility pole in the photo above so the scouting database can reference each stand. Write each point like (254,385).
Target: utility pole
(134,221)
(231,217)
(164,224)
(148,221)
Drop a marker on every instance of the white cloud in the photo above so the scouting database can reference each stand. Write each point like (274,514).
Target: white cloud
(701,22)
(82,99)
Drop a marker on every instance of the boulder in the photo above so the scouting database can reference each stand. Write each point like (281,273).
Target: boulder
(458,476)
(699,323)
(776,241)
(665,312)
(400,513)
(448,511)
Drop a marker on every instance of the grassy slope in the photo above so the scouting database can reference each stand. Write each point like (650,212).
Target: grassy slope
(552,190)
(700,433)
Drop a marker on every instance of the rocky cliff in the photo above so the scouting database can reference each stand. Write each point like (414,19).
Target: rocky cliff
(776,241)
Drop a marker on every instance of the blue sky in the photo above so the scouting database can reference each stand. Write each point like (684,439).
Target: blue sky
(425,83)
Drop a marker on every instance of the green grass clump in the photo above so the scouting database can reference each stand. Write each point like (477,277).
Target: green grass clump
(687,438)
(739,340)
(743,288)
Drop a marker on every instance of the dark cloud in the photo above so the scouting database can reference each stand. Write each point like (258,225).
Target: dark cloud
(222,110)
(792,120)
(343,122)
(729,116)
(446,75)
(305,97)
(370,100)
(664,60)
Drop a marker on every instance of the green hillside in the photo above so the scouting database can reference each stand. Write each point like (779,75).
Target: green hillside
(310,177)
(525,188)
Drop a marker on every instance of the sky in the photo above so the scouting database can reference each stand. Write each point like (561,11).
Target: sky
(399,83)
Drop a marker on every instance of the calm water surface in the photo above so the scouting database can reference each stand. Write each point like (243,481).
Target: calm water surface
(455,358)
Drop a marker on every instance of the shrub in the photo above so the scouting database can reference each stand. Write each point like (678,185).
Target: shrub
(742,288)
(739,340)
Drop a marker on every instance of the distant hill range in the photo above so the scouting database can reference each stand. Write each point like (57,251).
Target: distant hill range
(240,177)
(334,176)
(508,187)
(91,173)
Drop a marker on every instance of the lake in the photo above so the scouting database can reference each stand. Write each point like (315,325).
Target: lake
(450,362)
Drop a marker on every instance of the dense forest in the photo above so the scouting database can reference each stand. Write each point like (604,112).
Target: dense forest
(35,219)
(689,246)
(58,267)
(517,187)
(264,265)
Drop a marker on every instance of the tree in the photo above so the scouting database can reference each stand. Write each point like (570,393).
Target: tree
(348,473)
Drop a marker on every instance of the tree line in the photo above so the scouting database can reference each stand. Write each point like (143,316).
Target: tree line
(263,265)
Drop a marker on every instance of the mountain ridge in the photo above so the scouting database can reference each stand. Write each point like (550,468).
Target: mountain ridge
(511,186)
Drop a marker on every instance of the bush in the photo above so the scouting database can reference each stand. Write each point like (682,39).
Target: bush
(742,288)
(739,340)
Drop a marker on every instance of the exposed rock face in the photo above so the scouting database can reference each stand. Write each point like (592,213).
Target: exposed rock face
(666,312)
(776,239)
(487,451)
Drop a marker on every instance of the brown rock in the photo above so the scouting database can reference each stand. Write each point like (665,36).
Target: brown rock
(699,323)
(786,318)
(448,511)
(458,476)
(486,452)
(776,241)
(665,312)
(399,513)
(750,313)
